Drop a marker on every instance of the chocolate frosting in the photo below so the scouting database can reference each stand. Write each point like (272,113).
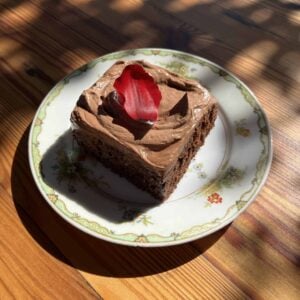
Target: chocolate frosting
(182,106)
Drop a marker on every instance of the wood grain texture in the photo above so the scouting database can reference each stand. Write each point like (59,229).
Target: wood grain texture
(257,256)
(28,270)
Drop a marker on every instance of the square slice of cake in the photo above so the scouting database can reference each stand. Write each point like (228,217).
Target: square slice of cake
(152,155)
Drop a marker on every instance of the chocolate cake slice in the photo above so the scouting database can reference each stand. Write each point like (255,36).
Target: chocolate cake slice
(155,156)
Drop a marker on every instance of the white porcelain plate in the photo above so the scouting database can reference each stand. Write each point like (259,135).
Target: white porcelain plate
(221,181)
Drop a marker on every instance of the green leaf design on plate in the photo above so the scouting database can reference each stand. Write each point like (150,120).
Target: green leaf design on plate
(240,204)
(228,179)
(231,176)
(177,67)
(145,219)
(241,128)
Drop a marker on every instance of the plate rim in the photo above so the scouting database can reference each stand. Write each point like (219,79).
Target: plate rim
(159,243)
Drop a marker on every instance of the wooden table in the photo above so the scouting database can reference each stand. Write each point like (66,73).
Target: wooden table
(43,257)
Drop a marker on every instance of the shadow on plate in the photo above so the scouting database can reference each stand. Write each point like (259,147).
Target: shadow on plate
(77,249)
(82,180)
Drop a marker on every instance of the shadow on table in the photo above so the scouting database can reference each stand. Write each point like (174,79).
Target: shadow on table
(85,252)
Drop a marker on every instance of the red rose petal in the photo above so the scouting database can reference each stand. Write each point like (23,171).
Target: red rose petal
(139,92)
